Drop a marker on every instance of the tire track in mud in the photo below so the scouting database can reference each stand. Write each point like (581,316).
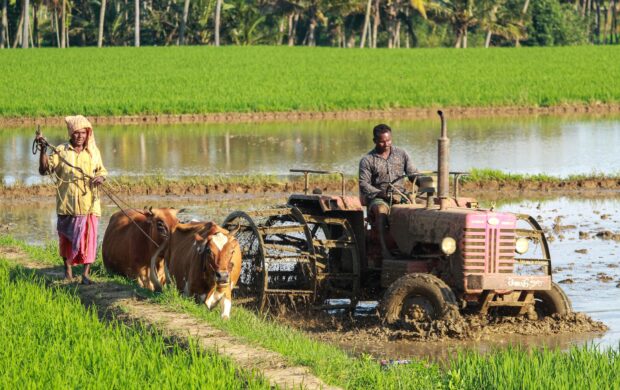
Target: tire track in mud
(126,305)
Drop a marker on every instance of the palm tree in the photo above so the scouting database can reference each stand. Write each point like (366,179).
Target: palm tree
(63,24)
(460,14)
(366,24)
(183,22)
(101,22)
(26,25)
(4,26)
(218,11)
(501,21)
(137,24)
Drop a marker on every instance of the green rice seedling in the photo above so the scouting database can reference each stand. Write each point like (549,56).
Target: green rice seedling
(517,368)
(50,340)
(126,81)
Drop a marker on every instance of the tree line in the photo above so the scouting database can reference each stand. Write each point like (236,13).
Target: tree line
(338,23)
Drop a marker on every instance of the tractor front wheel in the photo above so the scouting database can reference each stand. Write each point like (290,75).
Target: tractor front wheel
(419,298)
(552,301)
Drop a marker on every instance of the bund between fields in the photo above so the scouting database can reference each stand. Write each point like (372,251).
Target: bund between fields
(179,328)
(486,183)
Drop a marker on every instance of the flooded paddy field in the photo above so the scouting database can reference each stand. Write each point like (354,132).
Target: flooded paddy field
(585,247)
(551,145)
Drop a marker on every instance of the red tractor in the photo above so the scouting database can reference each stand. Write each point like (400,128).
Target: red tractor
(446,254)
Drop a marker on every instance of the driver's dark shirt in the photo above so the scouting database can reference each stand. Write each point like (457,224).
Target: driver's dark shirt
(375,172)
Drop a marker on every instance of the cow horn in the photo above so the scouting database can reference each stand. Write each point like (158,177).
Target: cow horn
(235,230)
(147,210)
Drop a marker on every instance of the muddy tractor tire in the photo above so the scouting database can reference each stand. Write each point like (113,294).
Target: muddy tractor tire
(552,301)
(418,297)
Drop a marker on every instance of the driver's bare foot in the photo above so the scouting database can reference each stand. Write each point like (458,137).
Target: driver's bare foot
(86,280)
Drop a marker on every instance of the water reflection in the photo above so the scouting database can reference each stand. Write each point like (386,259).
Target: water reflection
(553,145)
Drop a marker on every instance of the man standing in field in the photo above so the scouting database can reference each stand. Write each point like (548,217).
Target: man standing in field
(377,169)
(78,171)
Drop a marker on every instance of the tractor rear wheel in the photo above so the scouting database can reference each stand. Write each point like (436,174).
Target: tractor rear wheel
(552,301)
(419,298)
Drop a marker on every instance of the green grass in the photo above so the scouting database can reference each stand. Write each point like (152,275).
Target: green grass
(50,340)
(173,80)
(488,175)
(511,368)
(515,368)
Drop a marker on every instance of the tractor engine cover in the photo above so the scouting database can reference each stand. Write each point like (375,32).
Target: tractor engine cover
(485,255)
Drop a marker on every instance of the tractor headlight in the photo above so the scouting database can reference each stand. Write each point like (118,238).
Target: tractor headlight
(523,244)
(448,245)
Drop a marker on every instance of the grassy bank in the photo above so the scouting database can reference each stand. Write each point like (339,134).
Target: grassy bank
(49,339)
(509,368)
(175,80)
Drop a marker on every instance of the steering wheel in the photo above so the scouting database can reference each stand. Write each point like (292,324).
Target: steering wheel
(391,189)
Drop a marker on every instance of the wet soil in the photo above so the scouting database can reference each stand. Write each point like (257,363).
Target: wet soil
(125,304)
(400,113)
(491,189)
(476,327)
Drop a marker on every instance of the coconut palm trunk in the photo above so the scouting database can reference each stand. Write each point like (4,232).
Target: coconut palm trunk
(4,26)
(487,41)
(137,24)
(366,23)
(311,39)
(218,11)
(523,13)
(101,23)
(183,22)
(56,27)
(375,24)
(63,25)
(26,26)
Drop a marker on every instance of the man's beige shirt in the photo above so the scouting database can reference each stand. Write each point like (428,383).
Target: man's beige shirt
(75,195)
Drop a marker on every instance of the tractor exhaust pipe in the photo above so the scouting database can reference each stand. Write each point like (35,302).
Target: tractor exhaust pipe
(443,173)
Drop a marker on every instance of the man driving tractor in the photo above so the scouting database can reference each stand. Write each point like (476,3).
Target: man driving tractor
(378,169)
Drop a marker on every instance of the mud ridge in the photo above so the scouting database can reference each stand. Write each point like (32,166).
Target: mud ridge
(395,113)
(129,307)
(488,189)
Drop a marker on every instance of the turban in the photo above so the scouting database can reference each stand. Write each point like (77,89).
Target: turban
(79,122)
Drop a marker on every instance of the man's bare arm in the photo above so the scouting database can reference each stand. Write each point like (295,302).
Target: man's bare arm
(44,163)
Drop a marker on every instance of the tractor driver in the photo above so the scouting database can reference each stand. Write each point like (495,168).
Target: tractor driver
(378,168)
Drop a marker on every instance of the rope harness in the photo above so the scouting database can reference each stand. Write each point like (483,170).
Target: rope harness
(41,145)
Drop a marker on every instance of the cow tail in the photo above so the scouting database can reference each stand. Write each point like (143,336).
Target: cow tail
(153,273)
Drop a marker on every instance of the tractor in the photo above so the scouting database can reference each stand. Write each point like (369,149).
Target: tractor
(447,255)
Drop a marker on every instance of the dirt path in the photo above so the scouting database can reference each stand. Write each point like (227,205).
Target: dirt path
(400,113)
(125,304)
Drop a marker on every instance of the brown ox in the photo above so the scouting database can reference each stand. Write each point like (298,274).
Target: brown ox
(127,251)
(204,260)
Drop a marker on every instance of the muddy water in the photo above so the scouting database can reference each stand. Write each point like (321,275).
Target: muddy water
(586,266)
(552,145)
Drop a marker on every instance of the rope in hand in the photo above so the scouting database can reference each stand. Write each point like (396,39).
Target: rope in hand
(41,145)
